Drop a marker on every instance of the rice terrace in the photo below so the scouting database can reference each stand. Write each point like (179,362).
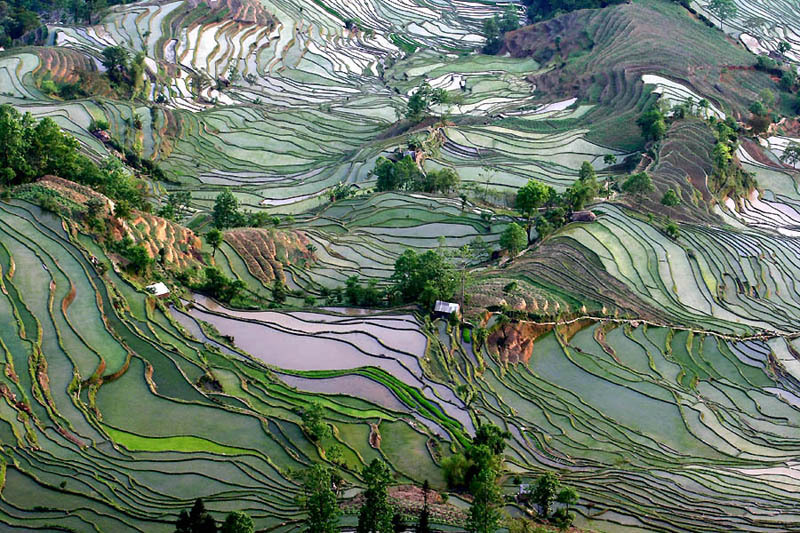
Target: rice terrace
(522,266)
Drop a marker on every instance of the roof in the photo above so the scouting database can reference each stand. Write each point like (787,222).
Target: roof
(445,307)
(157,289)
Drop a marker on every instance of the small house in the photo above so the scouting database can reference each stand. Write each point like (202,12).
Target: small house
(445,309)
(159,290)
(583,216)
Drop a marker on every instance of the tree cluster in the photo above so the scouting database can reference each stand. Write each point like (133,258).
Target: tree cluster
(495,28)
(476,470)
(123,71)
(226,214)
(421,101)
(214,283)
(198,520)
(546,491)
(405,175)
(33,149)
(535,195)
(422,278)
(314,423)
(538,10)
(653,124)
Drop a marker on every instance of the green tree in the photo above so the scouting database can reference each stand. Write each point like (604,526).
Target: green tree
(638,184)
(491,436)
(722,157)
(723,9)
(278,290)
(672,230)
(399,176)
(423,278)
(484,512)
(652,124)
(323,510)
(214,239)
(226,210)
(139,258)
(513,239)
(610,159)
(198,520)
(238,522)
(791,154)
(531,197)
(563,518)
(375,515)
(116,60)
(670,198)
(758,108)
(491,31)
(545,492)
(221,287)
(94,207)
(314,422)
(784,47)
(455,470)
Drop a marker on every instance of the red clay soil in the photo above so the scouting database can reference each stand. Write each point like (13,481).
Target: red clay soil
(513,342)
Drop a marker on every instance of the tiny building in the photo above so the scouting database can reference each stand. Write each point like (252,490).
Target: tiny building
(159,290)
(445,309)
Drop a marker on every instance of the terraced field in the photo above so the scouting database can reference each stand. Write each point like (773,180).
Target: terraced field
(656,374)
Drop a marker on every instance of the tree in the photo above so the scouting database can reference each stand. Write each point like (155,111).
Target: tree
(226,210)
(323,511)
(491,436)
(513,239)
(652,124)
(670,198)
(722,157)
(723,9)
(788,79)
(139,258)
(484,513)
(609,159)
(455,470)
(94,207)
(116,60)
(638,184)
(784,47)
(580,194)
(375,515)
(238,522)
(423,278)
(219,286)
(545,492)
(420,102)
(758,108)
(314,423)
(214,239)
(423,524)
(491,31)
(198,520)
(791,154)
(532,196)
(399,176)
(672,230)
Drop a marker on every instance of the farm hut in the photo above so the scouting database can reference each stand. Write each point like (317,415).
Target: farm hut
(445,309)
(159,290)
(583,216)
